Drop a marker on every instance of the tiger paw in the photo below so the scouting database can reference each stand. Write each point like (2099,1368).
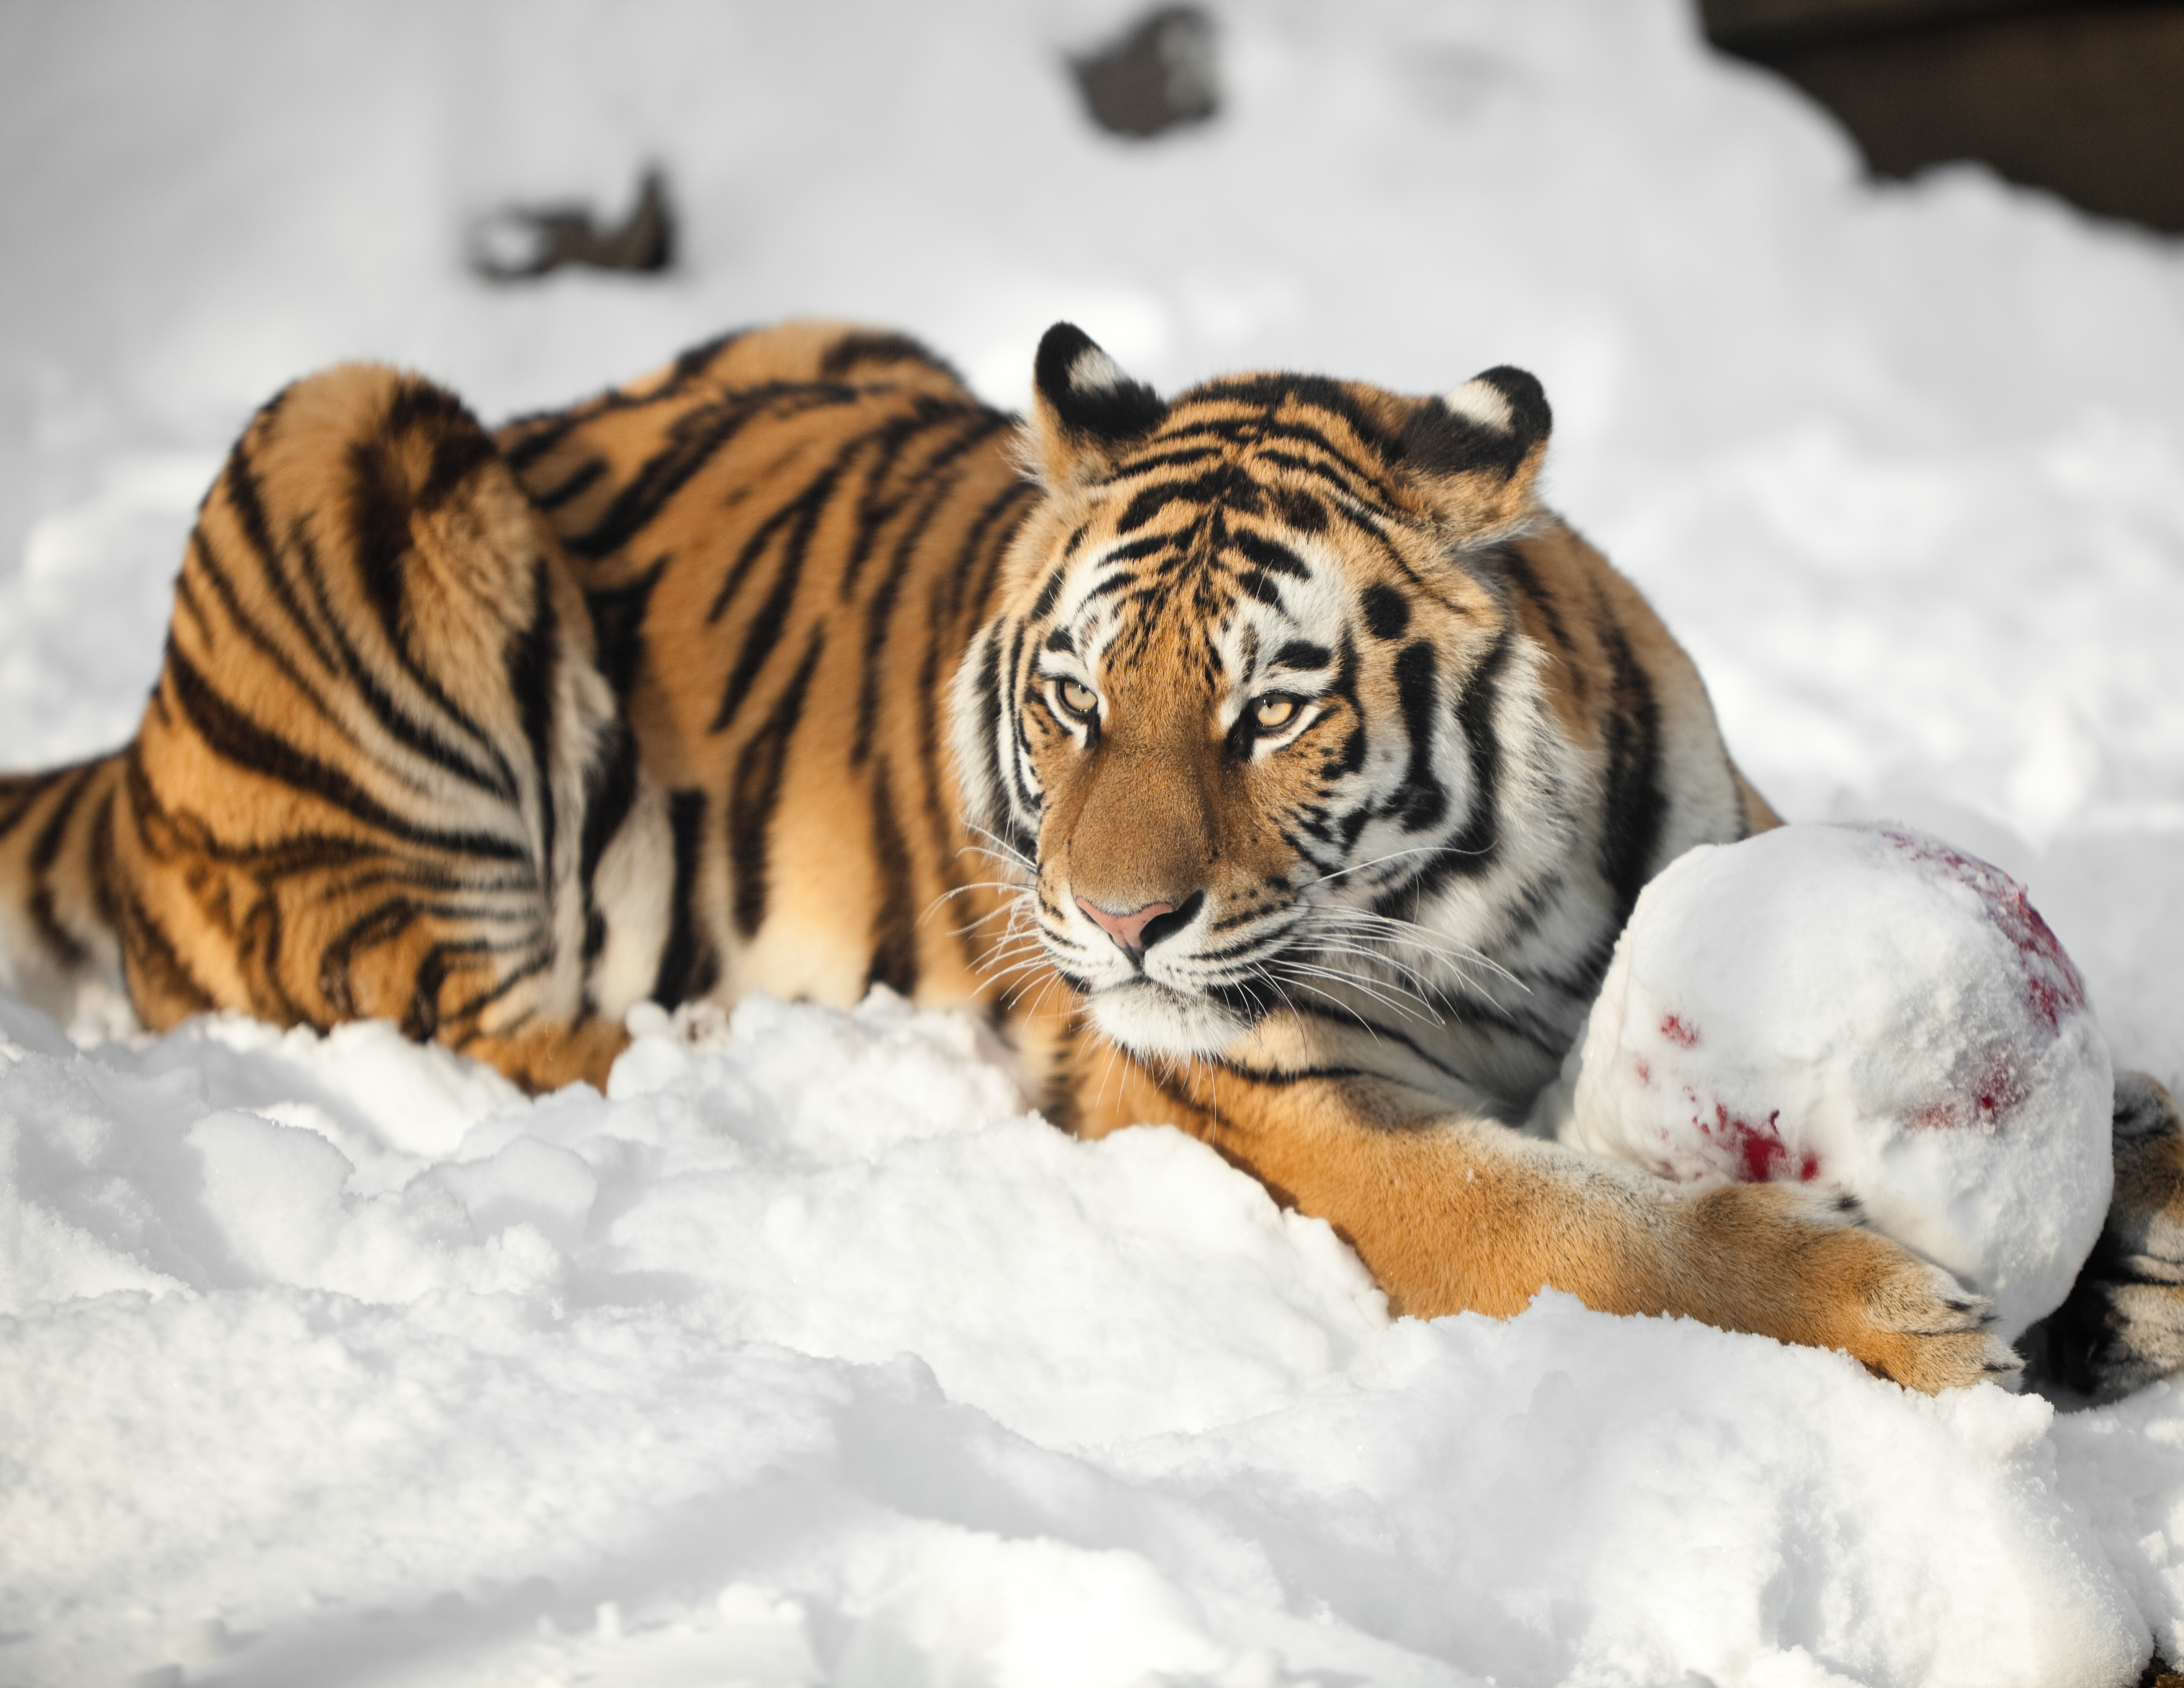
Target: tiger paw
(2123,1324)
(1811,1274)
(1916,1325)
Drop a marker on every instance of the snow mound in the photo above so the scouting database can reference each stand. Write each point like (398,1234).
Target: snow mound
(1870,1009)
(805,1355)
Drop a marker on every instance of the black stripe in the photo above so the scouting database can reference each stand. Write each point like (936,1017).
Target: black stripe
(365,680)
(1181,453)
(434,968)
(698,360)
(1420,801)
(954,589)
(383,923)
(1520,574)
(802,509)
(894,935)
(883,446)
(1479,846)
(233,737)
(1047,595)
(610,793)
(1632,806)
(46,850)
(587,474)
(460,447)
(694,439)
(533,665)
(687,966)
(618,615)
(379,510)
(204,561)
(1387,611)
(1025,799)
(881,349)
(942,821)
(19,794)
(526,439)
(756,793)
(102,857)
(240,483)
(1151,501)
(154,966)
(989,736)
(880,610)
(765,628)
(1269,554)
(999,543)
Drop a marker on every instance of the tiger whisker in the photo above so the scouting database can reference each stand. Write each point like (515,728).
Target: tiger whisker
(1362,989)
(1398,930)
(1392,856)
(1371,1030)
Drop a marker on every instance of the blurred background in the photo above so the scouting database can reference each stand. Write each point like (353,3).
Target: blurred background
(2084,97)
(1861,321)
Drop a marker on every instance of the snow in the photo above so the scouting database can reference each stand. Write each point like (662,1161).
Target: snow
(1871,1010)
(805,1355)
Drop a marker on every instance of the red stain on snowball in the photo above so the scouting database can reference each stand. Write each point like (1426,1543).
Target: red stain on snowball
(1997,1090)
(1643,1068)
(1677,1033)
(1757,1152)
(2052,985)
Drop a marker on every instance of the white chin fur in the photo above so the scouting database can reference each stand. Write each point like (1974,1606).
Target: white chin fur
(1150,1019)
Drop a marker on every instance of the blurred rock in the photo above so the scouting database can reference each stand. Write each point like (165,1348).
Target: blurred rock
(518,242)
(2084,99)
(1159,74)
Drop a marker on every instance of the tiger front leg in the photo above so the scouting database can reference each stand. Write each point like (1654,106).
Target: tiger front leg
(1456,1214)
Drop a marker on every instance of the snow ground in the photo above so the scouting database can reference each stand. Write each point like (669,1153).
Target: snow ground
(802,1356)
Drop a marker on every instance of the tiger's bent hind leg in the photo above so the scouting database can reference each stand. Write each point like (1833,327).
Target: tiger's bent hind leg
(58,948)
(381,770)
(2123,1324)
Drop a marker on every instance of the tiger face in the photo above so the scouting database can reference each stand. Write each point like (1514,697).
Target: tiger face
(1233,720)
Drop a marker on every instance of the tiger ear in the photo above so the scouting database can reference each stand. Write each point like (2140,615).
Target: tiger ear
(1476,453)
(1083,407)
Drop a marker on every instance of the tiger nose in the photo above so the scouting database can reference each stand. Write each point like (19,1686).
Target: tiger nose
(1128,930)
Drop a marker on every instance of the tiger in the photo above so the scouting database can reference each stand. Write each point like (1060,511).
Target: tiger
(1268,762)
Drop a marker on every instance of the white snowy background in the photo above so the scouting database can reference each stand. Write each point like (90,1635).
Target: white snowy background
(805,1356)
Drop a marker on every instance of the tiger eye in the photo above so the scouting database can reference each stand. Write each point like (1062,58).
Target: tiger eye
(1079,699)
(1274,712)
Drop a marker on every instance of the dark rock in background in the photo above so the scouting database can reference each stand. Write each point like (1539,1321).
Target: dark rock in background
(2085,98)
(1159,74)
(517,242)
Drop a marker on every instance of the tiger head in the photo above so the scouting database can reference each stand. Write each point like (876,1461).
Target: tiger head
(1232,712)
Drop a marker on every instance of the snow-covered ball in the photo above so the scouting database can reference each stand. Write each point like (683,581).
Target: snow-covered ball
(1867,1008)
